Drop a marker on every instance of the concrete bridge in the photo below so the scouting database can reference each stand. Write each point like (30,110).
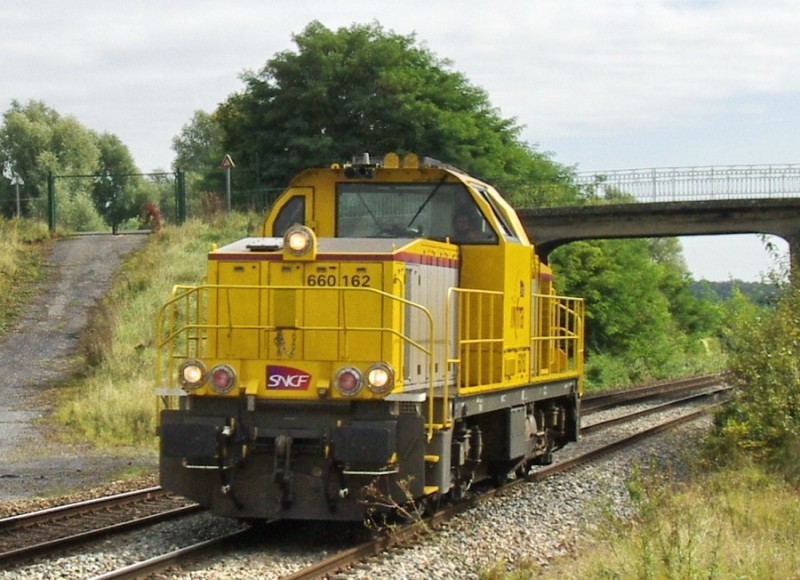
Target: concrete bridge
(666,202)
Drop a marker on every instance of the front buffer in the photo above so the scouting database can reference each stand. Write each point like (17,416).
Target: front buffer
(317,462)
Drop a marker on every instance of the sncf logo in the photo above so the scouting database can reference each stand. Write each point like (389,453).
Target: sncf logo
(287,378)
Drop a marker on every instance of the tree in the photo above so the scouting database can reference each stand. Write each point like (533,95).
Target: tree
(692,315)
(624,301)
(364,89)
(36,141)
(199,144)
(199,150)
(763,419)
(116,187)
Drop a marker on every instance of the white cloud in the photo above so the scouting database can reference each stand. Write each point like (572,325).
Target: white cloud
(611,63)
(562,68)
(604,83)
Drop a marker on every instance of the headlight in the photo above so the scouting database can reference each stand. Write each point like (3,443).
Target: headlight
(222,378)
(380,378)
(192,374)
(298,240)
(348,381)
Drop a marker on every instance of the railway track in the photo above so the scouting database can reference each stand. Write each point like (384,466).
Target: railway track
(684,392)
(23,537)
(33,534)
(595,402)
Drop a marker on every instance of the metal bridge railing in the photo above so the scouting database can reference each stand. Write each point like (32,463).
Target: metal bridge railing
(693,183)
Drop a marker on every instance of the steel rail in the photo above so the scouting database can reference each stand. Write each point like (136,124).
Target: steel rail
(597,401)
(164,561)
(654,409)
(76,508)
(42,527)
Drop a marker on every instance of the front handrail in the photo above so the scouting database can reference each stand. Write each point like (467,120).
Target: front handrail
(184,317)
(479,322)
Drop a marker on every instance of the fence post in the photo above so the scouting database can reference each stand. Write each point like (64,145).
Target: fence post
(51,202)
(180,192)
(654,180)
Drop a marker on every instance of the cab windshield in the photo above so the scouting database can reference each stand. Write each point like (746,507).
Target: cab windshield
(410,210)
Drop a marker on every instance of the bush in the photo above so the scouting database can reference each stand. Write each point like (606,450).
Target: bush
(763,420)
(75,213)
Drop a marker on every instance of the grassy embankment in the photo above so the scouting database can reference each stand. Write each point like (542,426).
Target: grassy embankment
(23,245)
(114,402)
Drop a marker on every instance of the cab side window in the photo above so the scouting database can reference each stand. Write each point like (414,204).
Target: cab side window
(468,224)
(293,212)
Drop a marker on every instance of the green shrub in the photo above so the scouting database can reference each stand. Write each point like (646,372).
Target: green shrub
(77,213)
(763,421)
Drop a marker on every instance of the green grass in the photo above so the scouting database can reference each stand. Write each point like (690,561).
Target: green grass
(604,371)
(23,246)
(728,524)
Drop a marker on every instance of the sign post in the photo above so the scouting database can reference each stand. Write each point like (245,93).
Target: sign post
(16,181)
(227,164)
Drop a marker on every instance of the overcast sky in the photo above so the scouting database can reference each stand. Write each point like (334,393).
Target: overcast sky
(600,84)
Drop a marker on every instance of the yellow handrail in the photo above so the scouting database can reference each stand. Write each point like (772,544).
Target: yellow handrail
(183,317)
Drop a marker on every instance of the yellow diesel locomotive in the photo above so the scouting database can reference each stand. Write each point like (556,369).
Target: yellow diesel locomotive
(392,329)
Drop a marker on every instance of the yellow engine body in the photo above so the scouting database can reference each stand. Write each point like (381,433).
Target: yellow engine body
(371,287)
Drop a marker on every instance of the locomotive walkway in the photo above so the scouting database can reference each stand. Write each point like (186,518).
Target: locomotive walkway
(758,199)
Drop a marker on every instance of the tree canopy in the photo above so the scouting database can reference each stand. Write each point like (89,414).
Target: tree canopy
(101,185)
(364,89)
(36,140)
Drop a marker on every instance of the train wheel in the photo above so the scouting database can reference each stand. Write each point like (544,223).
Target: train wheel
(499,478)
(431,504)
(546,458)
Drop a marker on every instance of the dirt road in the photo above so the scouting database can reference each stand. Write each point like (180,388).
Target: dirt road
(41,351)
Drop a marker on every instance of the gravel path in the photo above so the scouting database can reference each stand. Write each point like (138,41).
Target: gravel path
(40,352)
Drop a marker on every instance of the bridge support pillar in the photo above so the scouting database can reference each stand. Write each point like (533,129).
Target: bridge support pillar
(794,255)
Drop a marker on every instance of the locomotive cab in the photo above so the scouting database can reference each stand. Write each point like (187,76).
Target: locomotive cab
(391,331)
